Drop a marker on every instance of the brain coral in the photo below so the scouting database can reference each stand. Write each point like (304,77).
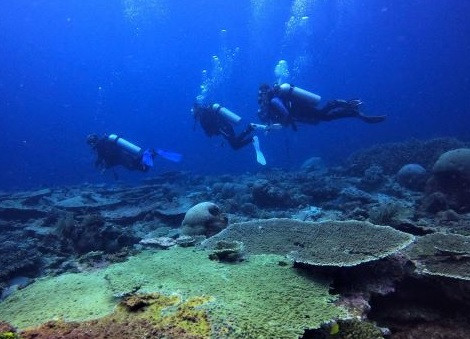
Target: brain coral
(451,175)
(330,243)
(204,218)
(442,255)
(455,162)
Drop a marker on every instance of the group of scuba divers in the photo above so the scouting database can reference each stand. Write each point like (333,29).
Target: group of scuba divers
(280,106)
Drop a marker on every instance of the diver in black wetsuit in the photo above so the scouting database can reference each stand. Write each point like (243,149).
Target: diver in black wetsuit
(113,151)
(215,123)
(287,105)
(218,120)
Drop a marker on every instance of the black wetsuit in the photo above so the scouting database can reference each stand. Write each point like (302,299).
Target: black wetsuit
(111,155)
(213,124)
(287,110)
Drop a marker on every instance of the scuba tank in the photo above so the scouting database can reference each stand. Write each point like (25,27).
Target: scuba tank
(226,114)
(125,145)
(295,93)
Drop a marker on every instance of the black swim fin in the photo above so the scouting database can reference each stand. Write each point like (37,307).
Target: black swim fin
(372,119)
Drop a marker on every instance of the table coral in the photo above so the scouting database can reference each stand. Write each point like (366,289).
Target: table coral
(329,243)
(442,254)
(255,298)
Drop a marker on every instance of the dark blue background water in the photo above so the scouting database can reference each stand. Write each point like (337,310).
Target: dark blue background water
(70,68)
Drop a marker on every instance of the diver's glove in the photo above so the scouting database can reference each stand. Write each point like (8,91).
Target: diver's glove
(265,128)
(355,103)
(258,127)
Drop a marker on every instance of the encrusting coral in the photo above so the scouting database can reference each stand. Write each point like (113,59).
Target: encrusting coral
(136,316)
(254,298)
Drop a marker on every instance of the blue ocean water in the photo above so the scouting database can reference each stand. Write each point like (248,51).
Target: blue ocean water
(134,67)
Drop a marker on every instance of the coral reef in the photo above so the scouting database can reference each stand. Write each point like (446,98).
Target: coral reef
(228,251)
(373,178)
(68,296)
(314,164)
(441,254)
(17,260)
(331,243)
(94,232)
(137,316)
(161,242)
(91,234)
(451,176)
(391,157)
(267,194)
(389,213)
(255,298)
(7,331)
(204,218)
(421,307)
(347,329)
(412,176)
(454,163)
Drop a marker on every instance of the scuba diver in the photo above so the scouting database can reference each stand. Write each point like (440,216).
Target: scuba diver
(287,105)
(113,150)
(218,120)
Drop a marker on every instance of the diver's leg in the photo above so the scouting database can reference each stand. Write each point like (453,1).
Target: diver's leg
(241,141)
(338,109)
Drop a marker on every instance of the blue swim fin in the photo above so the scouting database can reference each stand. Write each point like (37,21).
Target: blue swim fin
(172,156)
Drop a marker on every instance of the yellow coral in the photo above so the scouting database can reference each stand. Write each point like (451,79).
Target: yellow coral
(191,319)
(8,335)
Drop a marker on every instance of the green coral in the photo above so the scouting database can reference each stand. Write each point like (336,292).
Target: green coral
(168,313)
(69,297)
(136,316)
(255,298)
(442,255)
(330,243)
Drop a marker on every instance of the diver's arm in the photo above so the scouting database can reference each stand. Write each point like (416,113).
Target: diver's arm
(278,105)
(265,128)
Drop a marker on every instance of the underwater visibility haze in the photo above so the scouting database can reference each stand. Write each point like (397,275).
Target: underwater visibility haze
(326,194)
(135,68)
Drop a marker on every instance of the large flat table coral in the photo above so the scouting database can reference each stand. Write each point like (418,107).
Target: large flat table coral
(329,243)
(440,254)
(255,298)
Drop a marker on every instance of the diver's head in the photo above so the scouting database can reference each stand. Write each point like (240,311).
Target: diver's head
(264,92)
(92,140)
(196,111)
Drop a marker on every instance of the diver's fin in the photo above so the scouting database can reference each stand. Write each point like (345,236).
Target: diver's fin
(147,158)
(259,155)
(372,119)
(172,156)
